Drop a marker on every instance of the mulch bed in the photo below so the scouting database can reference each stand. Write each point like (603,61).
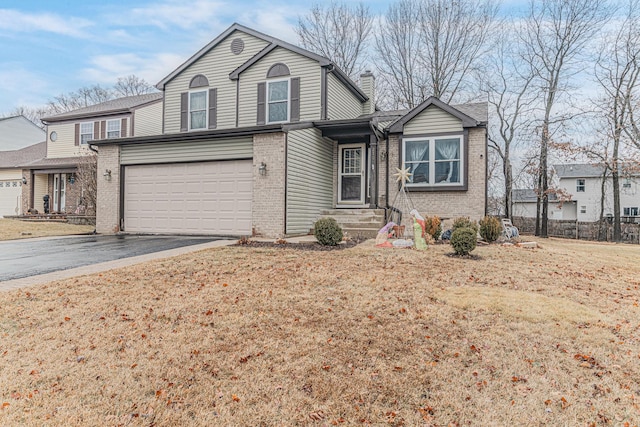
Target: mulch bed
(306,246)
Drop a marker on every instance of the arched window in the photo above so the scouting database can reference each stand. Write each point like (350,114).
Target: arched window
(278,70)
(198,81)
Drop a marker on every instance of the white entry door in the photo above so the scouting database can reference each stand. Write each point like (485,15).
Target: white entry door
(59,193)
(351,174)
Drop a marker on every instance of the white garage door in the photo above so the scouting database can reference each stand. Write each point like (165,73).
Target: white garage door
(189,198)
(10,197)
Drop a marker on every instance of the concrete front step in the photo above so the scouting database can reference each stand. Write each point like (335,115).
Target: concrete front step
(358,223)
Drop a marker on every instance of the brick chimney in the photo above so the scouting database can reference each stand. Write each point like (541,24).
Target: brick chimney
(367,84)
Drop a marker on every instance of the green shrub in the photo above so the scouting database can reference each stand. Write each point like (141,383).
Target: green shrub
(433,226)
(464,222)
(327,232)
(490,228)
(463,240)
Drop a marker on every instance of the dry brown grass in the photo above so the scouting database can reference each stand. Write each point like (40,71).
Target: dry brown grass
(273,336)
(14,229)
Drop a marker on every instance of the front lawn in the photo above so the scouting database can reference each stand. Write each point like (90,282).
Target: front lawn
(243,336)
(14,229)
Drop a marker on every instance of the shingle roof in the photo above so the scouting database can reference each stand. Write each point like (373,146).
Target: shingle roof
(54,162)
(18,158)
(528,195)
(578,170)
(114,106)
(476,110)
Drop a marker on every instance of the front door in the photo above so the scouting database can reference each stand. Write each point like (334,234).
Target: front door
(59,196)
(351,174)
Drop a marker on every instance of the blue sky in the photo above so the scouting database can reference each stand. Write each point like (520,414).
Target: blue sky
(49,47)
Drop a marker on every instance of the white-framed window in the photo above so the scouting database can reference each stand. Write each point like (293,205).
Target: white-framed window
(580,185)
(434,161)
(86,132)
(633,211)
(583,209)
(198,110)
(113,128)
(278,101)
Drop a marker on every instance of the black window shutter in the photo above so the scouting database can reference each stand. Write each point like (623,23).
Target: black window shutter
(213,108)
(184,111)
(262,107)
(123,127)
(295,99)
(77,139)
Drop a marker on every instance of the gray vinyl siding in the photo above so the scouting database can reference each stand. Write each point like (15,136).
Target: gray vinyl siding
(341,102)
(216,66)
(309,179)
(299,66)
(433,120)
(215,149)
(147,120)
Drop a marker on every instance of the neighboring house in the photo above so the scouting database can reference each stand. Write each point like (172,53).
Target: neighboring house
(68,138)
(14,193)
(260,137)
(525,205)
(19,132)
(583,182)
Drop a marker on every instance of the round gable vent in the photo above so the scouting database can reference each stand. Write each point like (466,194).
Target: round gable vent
(237,46)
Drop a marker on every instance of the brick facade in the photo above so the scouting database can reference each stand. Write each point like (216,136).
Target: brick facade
(446,204)
(108,209)
(269,190)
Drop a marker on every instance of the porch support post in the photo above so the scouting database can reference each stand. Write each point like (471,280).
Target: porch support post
(373,172)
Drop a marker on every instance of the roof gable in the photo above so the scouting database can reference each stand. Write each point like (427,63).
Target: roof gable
(467,121)
(273,44)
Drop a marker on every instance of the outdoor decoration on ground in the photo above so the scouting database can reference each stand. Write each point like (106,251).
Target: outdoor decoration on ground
(405,235)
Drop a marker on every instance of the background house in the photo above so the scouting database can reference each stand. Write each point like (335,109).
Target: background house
(583,182)
(261,137)
(19,132)
(14,191)
(68,138)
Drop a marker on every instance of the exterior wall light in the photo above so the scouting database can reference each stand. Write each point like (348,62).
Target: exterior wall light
(262,169)
(72,178)
(24,180)
(107,174)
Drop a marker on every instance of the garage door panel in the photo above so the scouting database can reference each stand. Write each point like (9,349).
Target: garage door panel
(191,198)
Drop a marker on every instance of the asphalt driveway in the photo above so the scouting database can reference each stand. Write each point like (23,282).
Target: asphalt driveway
(26,258)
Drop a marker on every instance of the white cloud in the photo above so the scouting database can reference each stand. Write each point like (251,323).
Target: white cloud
(105,69)
(175,13)
(21,87)
(16,21)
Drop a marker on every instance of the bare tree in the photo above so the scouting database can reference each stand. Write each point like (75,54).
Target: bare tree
(31,113)
(339,32)
(431,48)
(556,33)
(617,71)
(86,177)
(83,97)
(455,36)
(509,95)
(397,45)
(131,85)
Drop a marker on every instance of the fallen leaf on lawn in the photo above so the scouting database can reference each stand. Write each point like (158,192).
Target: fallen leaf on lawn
(235,398)
(5,405)
(317,416)
(66,319)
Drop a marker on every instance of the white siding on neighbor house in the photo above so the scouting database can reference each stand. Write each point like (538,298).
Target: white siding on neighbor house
(216,65)
(591,200)
(18,132)
(309,179)
(299,66)
(147,120)
(6,174)
(341,102)
(215,149)
(432,120)
(40,188)
(528,210)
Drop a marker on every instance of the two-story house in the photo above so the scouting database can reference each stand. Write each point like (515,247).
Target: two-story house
(68,139)
(259,137)
(583,184)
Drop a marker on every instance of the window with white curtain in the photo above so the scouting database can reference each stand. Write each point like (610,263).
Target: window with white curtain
(433,161)
(198,110)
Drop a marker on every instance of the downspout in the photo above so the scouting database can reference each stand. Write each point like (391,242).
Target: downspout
(375,164)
